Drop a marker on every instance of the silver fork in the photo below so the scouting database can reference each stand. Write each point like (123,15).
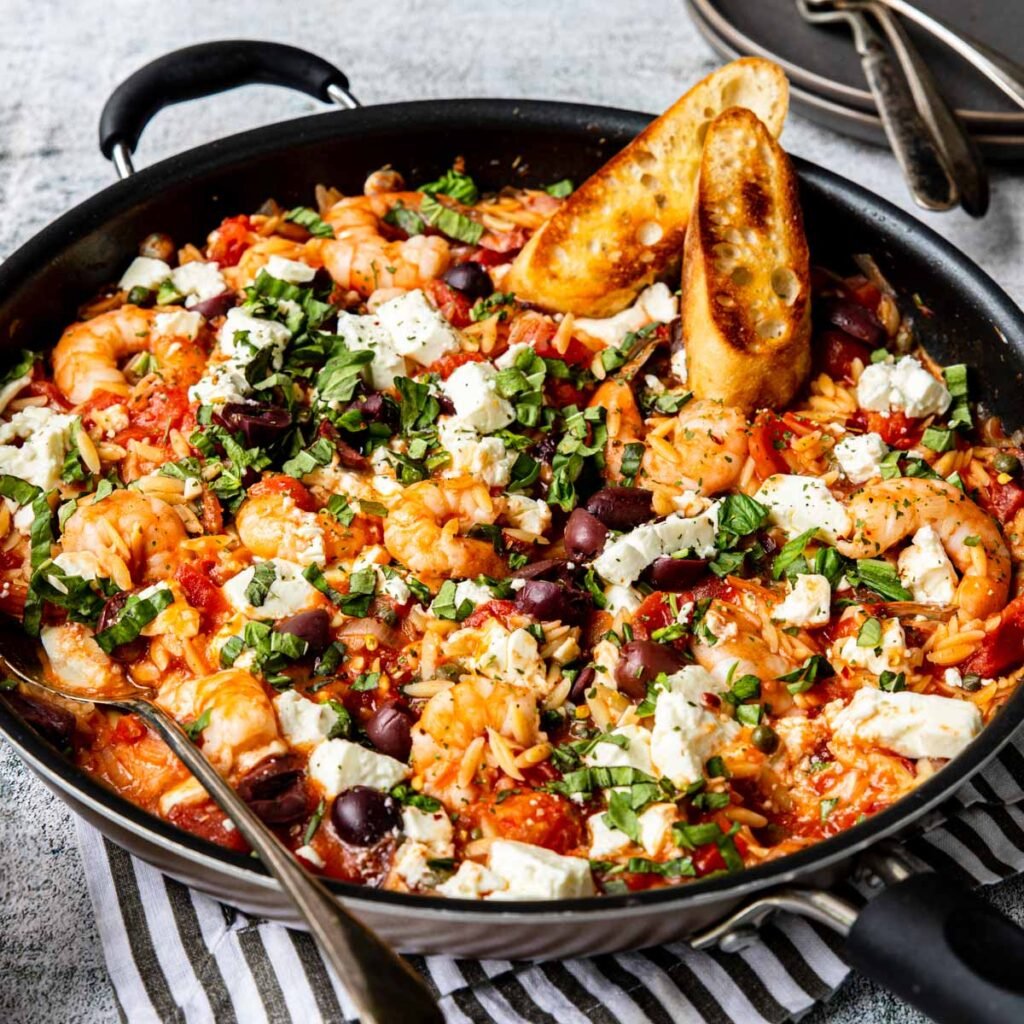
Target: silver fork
(924,167)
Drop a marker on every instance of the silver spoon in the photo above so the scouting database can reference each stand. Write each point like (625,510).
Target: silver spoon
(923,164)
(382,986)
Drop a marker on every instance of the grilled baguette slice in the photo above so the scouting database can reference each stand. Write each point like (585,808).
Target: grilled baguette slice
(746,307)
(625,224)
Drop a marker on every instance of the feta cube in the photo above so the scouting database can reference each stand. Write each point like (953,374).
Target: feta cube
(531,515)
(432,828)
(605,839)
(304,721)
(308,854)
(289,593)
(635,754)
(902,386)
(685,736)
(144,272)
(889,656)
(46,437)
(655,304)
(292,271)
(337,765)
(800,503)
(925,569)
(179,324)
(417,329)
(242,336)
(475,593)
(807,604)
(412,865)
(472,881)
(485,458)
(367,332)
(622,600)
(860,457)
(472,390)
(910,724)
(198,281)
(656,824)
(952,677)
(533,872)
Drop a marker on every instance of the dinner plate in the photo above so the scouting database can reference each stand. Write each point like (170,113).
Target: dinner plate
(825,72)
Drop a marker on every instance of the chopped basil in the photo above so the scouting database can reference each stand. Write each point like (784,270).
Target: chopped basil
(956,382)
(938,440)
(450,222)
(314,822)
(454,184)
(340,509)
(319,453)
(195,729)
(826,807)
(19,491)
(408,797)
(366,681)
(137,613)
(418,409)
(559,189)
(738,516)
(491,305)
(881,577)
(620,815)
(400,216)
(870,633)
(749,714)
(372,508)
(230,651)
(631,456)
(444,607)
(716,768)
(792,554)
(745,688)
(800,680)
(259,586)
(311,221)
(892,682)
(678,867)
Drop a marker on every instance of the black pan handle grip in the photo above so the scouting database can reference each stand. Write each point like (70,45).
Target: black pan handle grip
(211,68)
(943,949)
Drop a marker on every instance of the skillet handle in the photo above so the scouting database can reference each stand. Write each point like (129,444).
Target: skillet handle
(206,69)
(943,949)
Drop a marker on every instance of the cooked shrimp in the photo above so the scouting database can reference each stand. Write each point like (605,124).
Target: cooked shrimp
(78,664)
(362,259)
(623,420)
(703,449)
(86,358)
(135,537)
(242,728)
(454,718)
(888,511)
(256,256)
(422,530)
(273,526)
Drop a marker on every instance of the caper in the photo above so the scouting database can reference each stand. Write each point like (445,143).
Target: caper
(765,738)
(972,681)
(1006,462)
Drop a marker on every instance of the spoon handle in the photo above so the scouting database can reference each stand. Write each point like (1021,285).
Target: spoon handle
(383,987)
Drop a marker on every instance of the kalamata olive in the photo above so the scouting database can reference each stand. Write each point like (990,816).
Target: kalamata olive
(311,626)
(545,568)
(216,306)
(550,602)
(640,661)
(547,446)
(584,681)
(674,575)
(389,729)
(363,816)
(621,508)
(765,738)
(445,404)
(584,535)
(376,408)
(276,790)
(51,722)
(134,649)
(158,246)
(471,279)
(858,321)
(260,425)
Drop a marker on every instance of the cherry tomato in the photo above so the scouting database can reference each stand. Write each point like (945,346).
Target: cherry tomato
(453,305)
(447,365)
(896,429)
(286,485)
(1003,501)
(230,241)
(543,819)
(1003,647)
(209,822)
(500,610)
(200,590)
(767,443)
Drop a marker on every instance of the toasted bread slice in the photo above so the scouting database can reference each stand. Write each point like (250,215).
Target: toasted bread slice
(625,224)
(746,307)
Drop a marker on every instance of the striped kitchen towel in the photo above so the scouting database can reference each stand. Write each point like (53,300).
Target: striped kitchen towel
(178,957)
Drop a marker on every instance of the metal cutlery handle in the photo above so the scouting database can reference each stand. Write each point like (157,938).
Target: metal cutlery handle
(382,986)
(999,69)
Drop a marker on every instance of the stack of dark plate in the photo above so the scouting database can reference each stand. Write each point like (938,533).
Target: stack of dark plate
(825,72)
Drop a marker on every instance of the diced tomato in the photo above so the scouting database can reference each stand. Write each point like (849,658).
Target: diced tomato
(453,305)
(561,393)
(896,429)
(1003,647)
(209,822)
(500,610)
(154,415)
(706,859)
(654,612)
(447,365)
(286,485)
(230,240)
(534,329)
(487,257)
(543,819)
(200,590)
(863,291)
(576,353)
(835,351)
(50,391)
(129,729)
(1003,501)
(767,443)
(503,241)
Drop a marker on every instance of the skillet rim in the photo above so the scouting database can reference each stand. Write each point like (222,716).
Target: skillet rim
(609,125)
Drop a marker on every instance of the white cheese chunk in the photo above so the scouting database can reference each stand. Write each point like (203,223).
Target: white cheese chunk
(622,600)
(182,323)
(533,872)
(635,754)
(925,569)
(860,457)
(515,658)
(412,865)
(198,281)
(432,828)
(904,386)
(367,332)
(605,839)
(801,503)
(532,515)
(625,557)
(144,272)
(656,824)
(417,329)
(289,593)
(46,437)
(890,655)
(952,677)
(304,721)
(475,593)
(337,765)
(308,854)
(910,724)
(472,881)
(677,364)
(292,271)
(655,304)
(472,390)
(485,458)
(807,604)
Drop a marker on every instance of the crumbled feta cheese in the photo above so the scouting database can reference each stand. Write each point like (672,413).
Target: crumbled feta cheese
(807,604)
(198,281)
(625,557)
(432,828)
(889,656)
(83,564)
(292,271)
(289,593)
(485,458)
(905,385)
(181,323)
(46,437)
(367,332)
(800,503)
(677,364)
(533,872)
(860,457)
(621,599)
(952,677)
(515,658)
(75,657)
(656,824)
(303,720)
(605,840)
(636,754)
(472,881)
(655,304)
(910,724)
(417,329)
(475,593)
(396,588)
(308,854)
(412,866)
(532,515)
(337,765)
(144,272)
(472,390)
(926,571)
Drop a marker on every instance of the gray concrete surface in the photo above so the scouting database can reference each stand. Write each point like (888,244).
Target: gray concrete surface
(58,61)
